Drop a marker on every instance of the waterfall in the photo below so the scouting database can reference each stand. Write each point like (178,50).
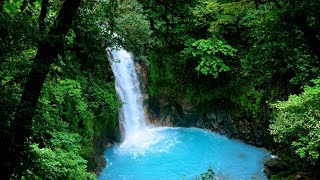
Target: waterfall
(129,92)
(138,137)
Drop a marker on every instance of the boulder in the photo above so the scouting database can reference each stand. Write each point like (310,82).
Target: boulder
(274,166)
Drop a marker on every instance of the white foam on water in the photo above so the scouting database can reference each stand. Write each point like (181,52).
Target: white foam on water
(148,140)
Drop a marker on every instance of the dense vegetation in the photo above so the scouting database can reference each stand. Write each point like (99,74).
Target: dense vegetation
(249,56)
(58,101)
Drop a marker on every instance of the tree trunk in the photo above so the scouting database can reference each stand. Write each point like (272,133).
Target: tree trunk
(316,170)
(48,50)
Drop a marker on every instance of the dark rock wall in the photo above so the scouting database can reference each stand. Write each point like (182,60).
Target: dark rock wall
(178,111)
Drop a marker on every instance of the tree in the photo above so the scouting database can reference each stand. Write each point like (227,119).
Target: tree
(48,50)
(70,88)
(210,51)
(297,124)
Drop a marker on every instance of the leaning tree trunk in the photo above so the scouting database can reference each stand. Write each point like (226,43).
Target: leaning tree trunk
(316,170)
(48,50)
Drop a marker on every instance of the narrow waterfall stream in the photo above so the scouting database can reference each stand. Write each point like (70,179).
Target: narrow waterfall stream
(148,153)
(128,88)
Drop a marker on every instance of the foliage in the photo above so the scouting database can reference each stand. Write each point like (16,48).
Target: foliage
(297,120)
(244,55)
(60,161)
(209,175)
(218,17)
(63,108)
(132,26)
(11,6)
(208,51)
(277,51)
(77,110)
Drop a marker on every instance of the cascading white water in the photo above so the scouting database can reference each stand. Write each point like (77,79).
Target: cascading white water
(128,89)
(137,136)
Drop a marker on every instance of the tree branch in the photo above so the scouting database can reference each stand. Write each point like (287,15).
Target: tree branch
(43,15)
(48,50)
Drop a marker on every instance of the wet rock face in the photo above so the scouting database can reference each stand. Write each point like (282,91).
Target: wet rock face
(174,113)
(143,75)
(218,120)
(223,121)
(182,113)
(178,111)
(275,166)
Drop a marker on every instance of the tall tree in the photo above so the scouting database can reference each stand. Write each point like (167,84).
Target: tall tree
(49,48)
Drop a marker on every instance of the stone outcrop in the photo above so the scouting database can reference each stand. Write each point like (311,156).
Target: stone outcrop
(274,167)
(178,111)
(224,121)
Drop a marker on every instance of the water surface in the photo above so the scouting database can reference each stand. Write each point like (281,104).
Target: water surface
(182,153)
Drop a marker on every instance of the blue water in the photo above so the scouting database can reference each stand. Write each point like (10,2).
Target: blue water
(183,153)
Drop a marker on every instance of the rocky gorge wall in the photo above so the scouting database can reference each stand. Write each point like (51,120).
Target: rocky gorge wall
(178,111)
